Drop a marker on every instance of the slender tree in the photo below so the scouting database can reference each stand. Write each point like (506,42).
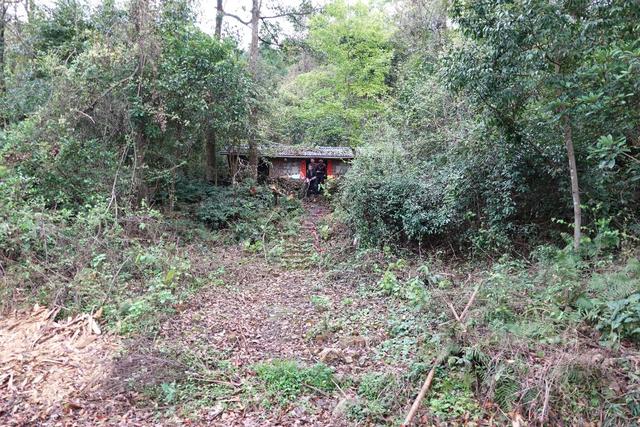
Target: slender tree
(3,23)
(210,143)
(141,15)
(254,23)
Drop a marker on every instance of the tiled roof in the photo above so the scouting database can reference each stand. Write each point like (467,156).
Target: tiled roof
(295,151)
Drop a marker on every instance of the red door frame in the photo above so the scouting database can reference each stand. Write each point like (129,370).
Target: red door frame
(303,169)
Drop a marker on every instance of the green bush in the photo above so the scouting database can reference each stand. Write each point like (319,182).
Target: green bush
(472,196)
(413,289)
(247,210)
(64,170)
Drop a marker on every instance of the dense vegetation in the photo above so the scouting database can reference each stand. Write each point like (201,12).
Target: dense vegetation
(503,135)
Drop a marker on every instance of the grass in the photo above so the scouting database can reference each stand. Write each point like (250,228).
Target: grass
(321,302)
(285,380)
(374,384)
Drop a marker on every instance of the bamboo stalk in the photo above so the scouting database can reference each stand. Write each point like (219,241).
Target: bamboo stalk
(425,388)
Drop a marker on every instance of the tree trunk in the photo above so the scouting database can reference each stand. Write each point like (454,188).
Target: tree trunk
(211,169)
(233,167)
(253,69)
(575,189)
(3,23)
(219,16)
(139,185)
(211,165)
(141,18)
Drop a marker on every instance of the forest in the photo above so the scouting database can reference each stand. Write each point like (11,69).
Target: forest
(478,263)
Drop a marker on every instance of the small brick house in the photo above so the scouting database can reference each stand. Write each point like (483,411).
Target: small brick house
(290,161)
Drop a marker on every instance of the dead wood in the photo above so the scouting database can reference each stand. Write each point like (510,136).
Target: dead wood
(65,359)
(443,354)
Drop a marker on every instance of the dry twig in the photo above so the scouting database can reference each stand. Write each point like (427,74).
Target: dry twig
(427,383)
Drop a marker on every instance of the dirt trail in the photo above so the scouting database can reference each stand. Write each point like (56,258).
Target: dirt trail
(274,311)
(262,311)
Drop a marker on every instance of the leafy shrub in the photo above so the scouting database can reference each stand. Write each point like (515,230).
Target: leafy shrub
(413,289)
(67,172)
(620,319)
(392,194)
(247,210)
(223,206)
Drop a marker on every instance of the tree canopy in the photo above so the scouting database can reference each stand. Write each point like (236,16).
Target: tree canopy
(330,102)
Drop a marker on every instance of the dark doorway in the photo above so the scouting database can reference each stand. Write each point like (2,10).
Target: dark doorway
(326,170)
(263,171)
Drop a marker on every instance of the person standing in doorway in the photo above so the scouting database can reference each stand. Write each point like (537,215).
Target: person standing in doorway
(321,173)
(312,180)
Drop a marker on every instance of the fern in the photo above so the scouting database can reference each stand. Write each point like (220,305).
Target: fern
(474,354)
(502,379)
(622,288)
(506,393)
(617,285)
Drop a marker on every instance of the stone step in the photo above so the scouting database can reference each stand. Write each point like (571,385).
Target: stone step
(301,258)
(297,250)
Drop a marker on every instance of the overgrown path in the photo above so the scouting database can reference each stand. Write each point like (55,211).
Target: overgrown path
(268,340)
(301,251)
(288,309)
(266,308)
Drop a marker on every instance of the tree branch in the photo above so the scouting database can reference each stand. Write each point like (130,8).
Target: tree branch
(109,89)
(273,36)
(236,17)
(287,14)
(272,43)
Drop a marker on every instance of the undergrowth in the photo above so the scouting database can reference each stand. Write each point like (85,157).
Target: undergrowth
(136,266)
(550,338)
(285,380)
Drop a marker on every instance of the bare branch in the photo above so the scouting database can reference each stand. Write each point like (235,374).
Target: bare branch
(86,115)
(287,14)
(237,18)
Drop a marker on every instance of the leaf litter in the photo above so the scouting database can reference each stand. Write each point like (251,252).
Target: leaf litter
(68,372)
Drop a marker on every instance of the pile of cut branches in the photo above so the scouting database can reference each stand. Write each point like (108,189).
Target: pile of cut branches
(47,365)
